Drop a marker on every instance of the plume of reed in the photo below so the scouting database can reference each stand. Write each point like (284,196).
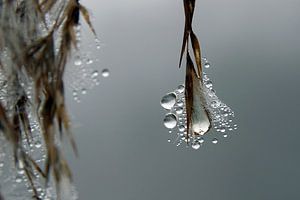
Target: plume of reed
(38,51)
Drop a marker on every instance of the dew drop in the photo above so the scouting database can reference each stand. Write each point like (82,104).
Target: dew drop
(180,103)
(38,144)
(105,73)
(201,140)
(180,88)
(19,179)
(170,121)
(89,61)
(78,61)
(208,84)
(181,128)
(215,141)
(83,91)
(97,41)
(196,145)
(207,65)
(168,101)
(94,74)
(75,93)
(179,110)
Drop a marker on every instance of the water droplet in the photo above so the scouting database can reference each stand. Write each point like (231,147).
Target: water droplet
(19,179)
(38,144)
(180,103)
(215,141)
(89,61)
(94,74)
(97,41)
(170,121)
(168,101)
(75,93)
(169,140)
(207,65)
(105,73)
(83,91)
(196,145)
(179,110)
(201,140)
(78,61)
(225,135)
(208,84)
(180,88)
(181,128)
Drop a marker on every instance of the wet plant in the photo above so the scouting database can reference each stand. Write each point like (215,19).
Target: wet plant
(36,41)
(194,107)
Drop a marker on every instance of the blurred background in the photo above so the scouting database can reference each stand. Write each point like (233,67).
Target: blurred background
(254,49)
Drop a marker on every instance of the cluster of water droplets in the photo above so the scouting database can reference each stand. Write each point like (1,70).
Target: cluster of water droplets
(82,72)
(176,119)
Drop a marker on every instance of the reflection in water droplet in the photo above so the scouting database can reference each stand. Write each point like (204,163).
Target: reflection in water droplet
(168,101)
(105,73)
(170,121)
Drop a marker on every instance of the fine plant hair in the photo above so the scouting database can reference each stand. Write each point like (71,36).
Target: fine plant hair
(37,38)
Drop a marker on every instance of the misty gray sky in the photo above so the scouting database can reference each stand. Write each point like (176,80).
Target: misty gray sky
(254,49)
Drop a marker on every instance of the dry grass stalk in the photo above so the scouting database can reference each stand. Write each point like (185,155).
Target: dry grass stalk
(29,49)
(198,117)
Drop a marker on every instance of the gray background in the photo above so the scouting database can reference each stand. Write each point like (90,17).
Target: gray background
(254,47)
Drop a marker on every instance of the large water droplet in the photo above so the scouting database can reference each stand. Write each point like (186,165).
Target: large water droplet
(168,101)
(170,121)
